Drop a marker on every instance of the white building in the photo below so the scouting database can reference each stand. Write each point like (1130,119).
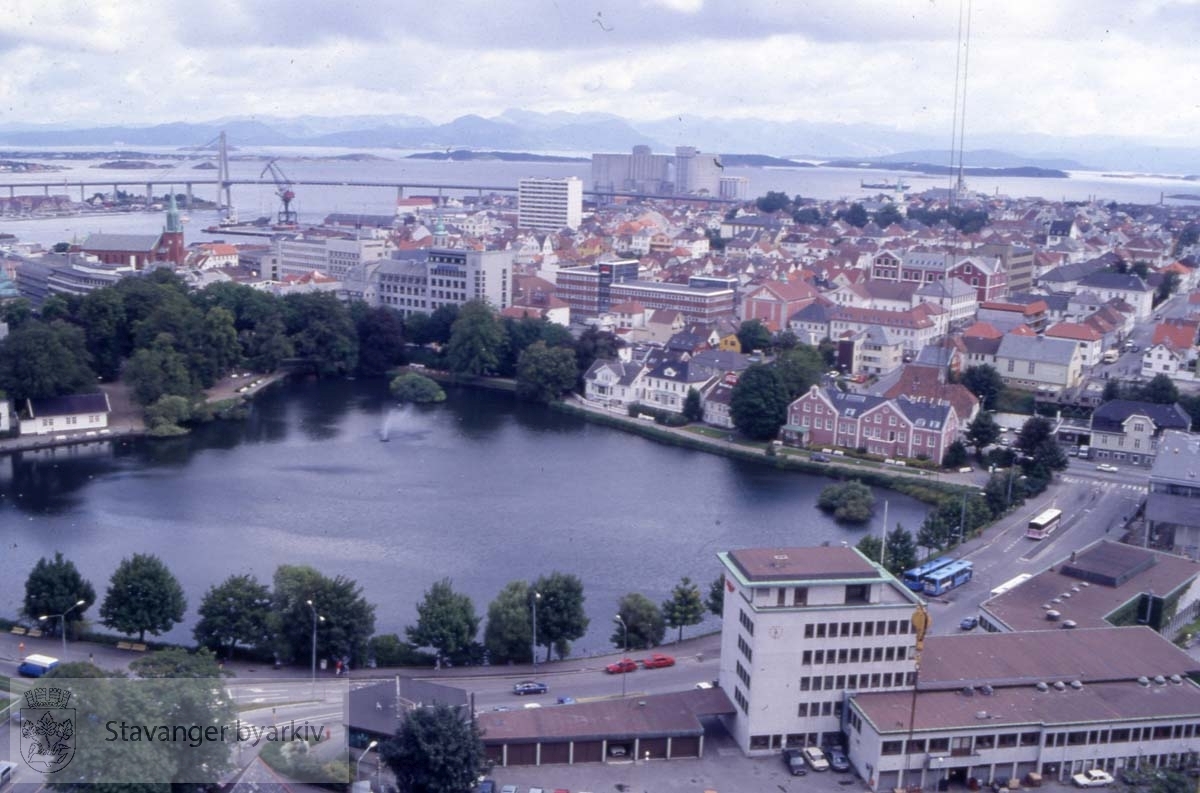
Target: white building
(332,256)
(72,413)
(802,628)
(424,280)
(548,204)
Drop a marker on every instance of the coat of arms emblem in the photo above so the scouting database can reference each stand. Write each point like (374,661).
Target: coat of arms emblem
(47,729)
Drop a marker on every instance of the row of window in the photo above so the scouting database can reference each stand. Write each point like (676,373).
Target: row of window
(832,630)
(831,707)
(1162,732)
(969,744)
(858,682)
(855,655)
(743,675)
(744,646)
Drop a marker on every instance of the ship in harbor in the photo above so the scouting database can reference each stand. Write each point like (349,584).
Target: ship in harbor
(899,184)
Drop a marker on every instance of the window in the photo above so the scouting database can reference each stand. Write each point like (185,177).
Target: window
(890,747)
(747,623)
(939,744)
(800,598)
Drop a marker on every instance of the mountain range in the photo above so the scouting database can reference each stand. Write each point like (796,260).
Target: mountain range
(523,130)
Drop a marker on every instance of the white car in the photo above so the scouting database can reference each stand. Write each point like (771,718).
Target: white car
(1093,777)
(1108,468)
(815,758)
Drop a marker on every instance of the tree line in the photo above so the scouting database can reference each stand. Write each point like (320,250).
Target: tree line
(243,615)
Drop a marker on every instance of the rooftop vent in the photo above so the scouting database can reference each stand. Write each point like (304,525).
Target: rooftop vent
(1085,583)
(1052,615)
(1159,680)
(986,689)
(1176,679)
(780,557)
(982,715)
(1075,588)
(1041,686)
(1075,684)
(1060,685)
(1143,681)
(1056,600)
(967,691)
(1068,624)
(1066,595)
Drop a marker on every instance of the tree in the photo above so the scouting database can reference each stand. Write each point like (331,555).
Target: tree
(983,431)
(349,620)
(871,547)
(753,334)
(54,587)
(1167,287)
(592,344)
(545,373)
(413,387)
(102,317)
(221,350)
(158,371)
(856,215)
(1161,390)
(1112,390)
(759,402)
(40,360)
(508,635)
(685,607)
(716,596)
(142,596)
(446,622)
(693,408)
(799,369)
(322,332)
(850,502)
(268,345)
(956,455)
(437,749)
(984,382)
(886,215)
(167,415)
(901,550)
(380,341)
(233,613)
(476,340)
(560,615)
(644,622)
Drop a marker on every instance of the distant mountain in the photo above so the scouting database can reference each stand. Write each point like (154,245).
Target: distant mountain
(524,130)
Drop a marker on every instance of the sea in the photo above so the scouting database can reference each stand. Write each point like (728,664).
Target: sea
(449,178)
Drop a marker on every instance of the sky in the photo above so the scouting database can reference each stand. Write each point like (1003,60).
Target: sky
(1126,68)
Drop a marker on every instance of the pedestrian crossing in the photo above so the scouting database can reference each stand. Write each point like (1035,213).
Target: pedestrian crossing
(1078,480)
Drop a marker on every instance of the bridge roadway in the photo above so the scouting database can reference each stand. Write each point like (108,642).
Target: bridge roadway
(400,187)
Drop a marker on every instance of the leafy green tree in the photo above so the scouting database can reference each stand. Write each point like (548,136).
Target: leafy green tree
(545,373)
(592,344)
(644,621)
(234,612)
(440,326)
(221,351)
(808,215)
(437,749)
(1167,287)
(1037,441)
(983,431)
(159,370)
(322,332)
(345,620)
(753,334)
(901,550)
(984,382)
(850,502)
(956,455)
(102,317)
(508,635)
(772,202)
(413,387)
(800,368)
(827,348)
(1172,781)
(380,341)
(267,345)
(53,587)
(142,596)
(1112,390)
(520,335)
(871,547)
(55,307)
(716,596)
(856,215)
(446,621)
(560,615)
(685,608)
(787,340)
(759,402)
(886,215)
(476,340)
(996,492)
(15,313)
(40,360)
(1161,390)
(693,408)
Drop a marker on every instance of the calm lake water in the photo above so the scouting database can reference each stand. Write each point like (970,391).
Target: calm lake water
(481,489)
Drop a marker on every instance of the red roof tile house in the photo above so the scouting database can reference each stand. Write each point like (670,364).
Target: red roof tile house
(1090,340)
(1172,348)
(776,301)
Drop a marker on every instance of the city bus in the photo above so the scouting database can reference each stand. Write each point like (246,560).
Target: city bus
(913,578)
(1043,524)
(955,574)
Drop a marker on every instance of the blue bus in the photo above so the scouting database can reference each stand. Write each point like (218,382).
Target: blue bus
(913,578)
(946,578)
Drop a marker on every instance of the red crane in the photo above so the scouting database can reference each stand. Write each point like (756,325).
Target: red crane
(283,189)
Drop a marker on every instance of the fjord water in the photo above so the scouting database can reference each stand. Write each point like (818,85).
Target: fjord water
(479,489)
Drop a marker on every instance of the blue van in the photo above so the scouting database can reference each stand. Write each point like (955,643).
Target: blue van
(36,665)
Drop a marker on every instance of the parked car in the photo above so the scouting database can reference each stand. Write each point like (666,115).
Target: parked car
(658,660)
(817,457)
(622,666)
(1093,777)
(566,700)
(815,758)
(1107,468)
(486,786)
(704,685)
(793,761)
(509,789)
(530,687)
(969,623)
(838,760)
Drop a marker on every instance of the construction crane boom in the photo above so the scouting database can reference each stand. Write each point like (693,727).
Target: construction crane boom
(283,189)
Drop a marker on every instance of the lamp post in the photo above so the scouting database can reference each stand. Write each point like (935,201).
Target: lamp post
(624,648)
(62,624)
(358,764)
(536,597)
(316,618)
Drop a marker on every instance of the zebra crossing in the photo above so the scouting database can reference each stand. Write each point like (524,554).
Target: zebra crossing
(1079,480)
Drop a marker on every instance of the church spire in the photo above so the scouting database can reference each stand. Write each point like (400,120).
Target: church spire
(173,222)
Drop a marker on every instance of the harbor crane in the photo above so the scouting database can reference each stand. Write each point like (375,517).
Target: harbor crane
(283,189)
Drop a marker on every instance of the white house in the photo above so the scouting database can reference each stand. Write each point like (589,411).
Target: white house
(73,413)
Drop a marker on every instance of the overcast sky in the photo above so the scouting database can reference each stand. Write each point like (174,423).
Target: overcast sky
(1063,67)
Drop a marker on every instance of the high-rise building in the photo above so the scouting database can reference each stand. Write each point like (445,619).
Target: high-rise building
(639,172)
(697,172)
(423,281)
(550,204)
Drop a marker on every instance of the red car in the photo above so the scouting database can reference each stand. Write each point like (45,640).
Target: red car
(658,660)
(624,665)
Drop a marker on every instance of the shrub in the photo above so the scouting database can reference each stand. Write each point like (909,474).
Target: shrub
(850,502)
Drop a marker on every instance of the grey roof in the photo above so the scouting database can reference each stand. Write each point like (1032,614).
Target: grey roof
(929,415)
(947,287)
(1036,348)
(851,404)
(680,371)
(816,311)
(935,356)
(1178,459)
(1124,281)
(1056,301)
(884,337)
(720,361)
(119,243)
(1072,271)
(379,708)
(1110,416)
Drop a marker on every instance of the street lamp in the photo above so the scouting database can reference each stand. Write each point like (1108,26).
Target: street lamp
(536,597)
(316,617)
(62,623)
(625,650)
(358,765)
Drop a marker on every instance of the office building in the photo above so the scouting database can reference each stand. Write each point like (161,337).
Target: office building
(550,204)
(592,290)
(423,281)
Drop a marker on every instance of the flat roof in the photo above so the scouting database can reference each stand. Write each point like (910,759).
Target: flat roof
(762,565)
(1080,589)
(1178,459)
(674,714)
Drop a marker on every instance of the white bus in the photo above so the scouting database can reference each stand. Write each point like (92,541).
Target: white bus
(1044,524)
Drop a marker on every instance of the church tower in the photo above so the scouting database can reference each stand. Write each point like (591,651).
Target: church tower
(171,248)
